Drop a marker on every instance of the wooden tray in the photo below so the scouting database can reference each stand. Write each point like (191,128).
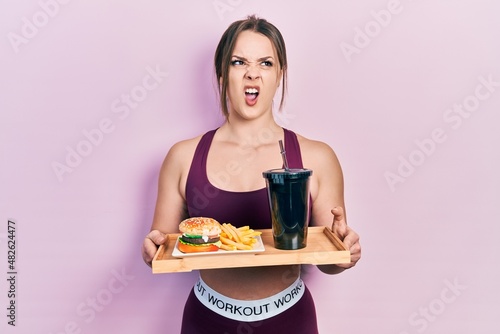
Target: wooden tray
(323,247)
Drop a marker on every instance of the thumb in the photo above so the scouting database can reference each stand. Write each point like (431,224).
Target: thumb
(157,237)
(339,225)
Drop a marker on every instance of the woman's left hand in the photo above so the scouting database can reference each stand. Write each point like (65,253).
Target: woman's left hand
(348,236)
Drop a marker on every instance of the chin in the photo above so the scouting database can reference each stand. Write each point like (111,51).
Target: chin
(251,112)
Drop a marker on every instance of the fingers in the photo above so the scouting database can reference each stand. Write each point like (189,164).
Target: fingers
(348,236)
(148,251)
(339,225)
(157,237)
(351,241)
(150,245)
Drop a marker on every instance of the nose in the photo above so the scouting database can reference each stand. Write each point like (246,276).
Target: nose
(252,73)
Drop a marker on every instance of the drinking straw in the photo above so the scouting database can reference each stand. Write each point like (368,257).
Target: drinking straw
(283,155)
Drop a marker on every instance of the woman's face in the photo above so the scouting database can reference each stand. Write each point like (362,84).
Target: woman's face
(254,76)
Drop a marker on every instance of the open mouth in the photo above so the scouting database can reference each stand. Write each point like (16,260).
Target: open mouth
(251,95)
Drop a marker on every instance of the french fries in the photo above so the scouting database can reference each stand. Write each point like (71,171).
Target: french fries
(241,238)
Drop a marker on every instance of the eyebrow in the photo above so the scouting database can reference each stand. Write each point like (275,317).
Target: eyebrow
(260,59)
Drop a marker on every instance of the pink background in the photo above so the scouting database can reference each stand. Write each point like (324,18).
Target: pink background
(430,235)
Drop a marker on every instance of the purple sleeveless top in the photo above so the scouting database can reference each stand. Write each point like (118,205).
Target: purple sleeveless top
(238,208)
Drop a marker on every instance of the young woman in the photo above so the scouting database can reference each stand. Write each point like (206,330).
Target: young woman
(219,175)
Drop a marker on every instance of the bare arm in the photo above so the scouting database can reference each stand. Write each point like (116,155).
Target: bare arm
(327,190)
(170,204)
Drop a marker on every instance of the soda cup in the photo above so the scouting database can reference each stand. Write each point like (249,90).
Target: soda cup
(290,203)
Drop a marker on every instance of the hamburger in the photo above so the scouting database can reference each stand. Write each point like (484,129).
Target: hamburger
(199,234)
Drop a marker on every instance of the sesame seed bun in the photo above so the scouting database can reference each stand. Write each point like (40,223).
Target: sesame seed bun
(200,226)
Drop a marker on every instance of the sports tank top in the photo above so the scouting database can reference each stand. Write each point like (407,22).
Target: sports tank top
(238,208)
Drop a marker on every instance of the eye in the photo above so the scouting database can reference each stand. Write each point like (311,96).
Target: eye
(267,63)
(236,62)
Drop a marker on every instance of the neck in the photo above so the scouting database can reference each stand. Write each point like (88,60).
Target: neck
(258,131)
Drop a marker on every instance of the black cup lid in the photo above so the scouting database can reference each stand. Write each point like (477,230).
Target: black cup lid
(292,173)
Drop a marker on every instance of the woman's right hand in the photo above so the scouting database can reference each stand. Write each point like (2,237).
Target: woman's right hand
(150,245)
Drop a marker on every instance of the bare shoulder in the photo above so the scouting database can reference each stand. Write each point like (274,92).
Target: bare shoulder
(316,153)
(180,155)
(183,149)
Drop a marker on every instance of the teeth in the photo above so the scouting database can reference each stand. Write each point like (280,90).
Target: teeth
(251,91)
